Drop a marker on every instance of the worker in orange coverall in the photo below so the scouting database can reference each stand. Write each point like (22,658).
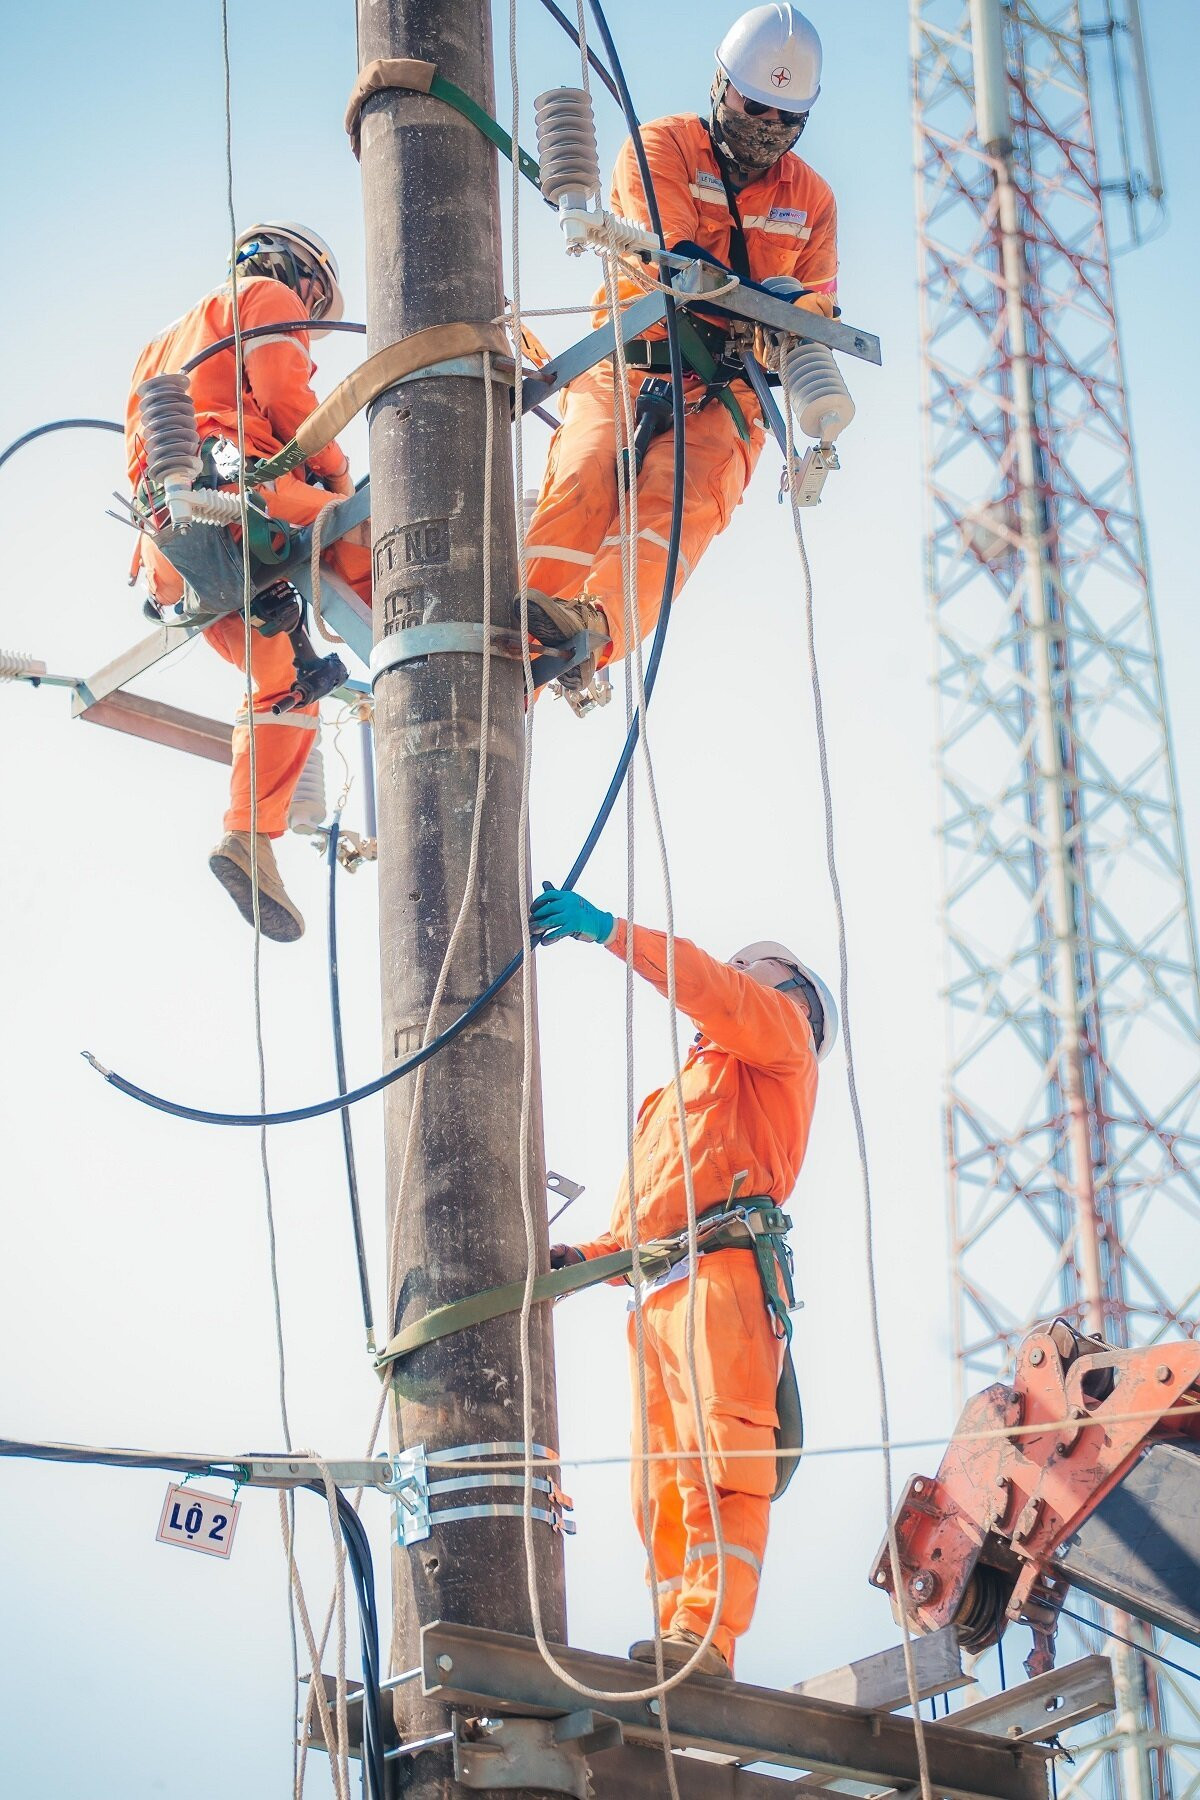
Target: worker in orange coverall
(286,274)
(728,191)
(764,1021)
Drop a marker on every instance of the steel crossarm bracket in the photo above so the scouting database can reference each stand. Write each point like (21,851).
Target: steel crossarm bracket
(780,315)
(290,1472)
(1038,1710)
(130,663)
(593,349)
(498,1671)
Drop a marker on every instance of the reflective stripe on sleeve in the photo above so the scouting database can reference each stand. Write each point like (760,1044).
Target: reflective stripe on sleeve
(738,1551)
(275,337)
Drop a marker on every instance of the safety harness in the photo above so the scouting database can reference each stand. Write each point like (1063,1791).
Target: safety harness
(756,1224)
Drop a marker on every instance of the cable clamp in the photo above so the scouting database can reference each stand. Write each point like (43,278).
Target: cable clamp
(413,1490)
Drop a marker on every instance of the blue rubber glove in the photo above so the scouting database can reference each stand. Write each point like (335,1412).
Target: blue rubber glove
(557,914)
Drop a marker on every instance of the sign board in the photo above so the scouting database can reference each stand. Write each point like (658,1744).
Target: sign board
(198,1521)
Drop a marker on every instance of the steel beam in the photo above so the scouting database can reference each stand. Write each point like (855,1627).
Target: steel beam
(1140,1549)
(162,724)
(1038,1710)
(130,664)
(882,1680)
(498,1671)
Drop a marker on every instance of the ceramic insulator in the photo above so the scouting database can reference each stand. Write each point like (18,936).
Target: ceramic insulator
(566,140)
(819,398)
(169,428)
(308,808)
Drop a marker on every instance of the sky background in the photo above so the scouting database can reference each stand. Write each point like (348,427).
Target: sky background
(134,1295)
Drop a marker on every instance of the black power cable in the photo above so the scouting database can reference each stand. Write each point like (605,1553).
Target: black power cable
(339,1059)
(257,331)
(318,1108)
(562,19)
(38,431)
(362,1569)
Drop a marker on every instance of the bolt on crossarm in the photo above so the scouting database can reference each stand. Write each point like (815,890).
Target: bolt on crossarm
(433,240)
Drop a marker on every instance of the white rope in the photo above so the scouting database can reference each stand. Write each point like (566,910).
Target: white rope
(852,1088)
(316,1694)
(248,645)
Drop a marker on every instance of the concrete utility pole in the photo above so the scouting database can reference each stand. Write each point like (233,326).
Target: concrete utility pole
(431,201)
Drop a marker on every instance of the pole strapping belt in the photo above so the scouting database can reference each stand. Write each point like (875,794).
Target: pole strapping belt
(494,1303)
(436,344)
(413,76)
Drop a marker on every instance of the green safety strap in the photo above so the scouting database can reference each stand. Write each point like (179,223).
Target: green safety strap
(444,90)
(493,1303)
(702,362)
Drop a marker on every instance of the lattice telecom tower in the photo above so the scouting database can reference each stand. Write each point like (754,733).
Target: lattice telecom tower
(1073,1088)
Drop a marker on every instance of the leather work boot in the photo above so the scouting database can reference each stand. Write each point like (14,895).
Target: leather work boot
(230,863)
(678,1647)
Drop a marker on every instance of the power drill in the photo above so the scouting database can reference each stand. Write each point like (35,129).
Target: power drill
(652,414)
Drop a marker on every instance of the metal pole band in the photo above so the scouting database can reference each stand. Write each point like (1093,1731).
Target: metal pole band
(502,371)
(415,642)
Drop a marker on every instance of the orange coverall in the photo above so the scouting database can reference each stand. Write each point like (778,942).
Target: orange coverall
(276,399)
(749,1089)
(789,220)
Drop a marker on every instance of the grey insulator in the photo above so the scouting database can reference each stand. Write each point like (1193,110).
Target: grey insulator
(819,398)
(169,427)
(566,140)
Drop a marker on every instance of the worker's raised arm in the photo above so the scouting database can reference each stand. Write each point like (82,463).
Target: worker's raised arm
(278,368)
(667,157)
(756,1023)
(752,1022)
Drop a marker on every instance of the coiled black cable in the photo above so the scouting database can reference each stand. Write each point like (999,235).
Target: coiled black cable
(318,1108)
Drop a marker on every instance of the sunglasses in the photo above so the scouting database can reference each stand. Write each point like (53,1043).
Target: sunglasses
(754,109)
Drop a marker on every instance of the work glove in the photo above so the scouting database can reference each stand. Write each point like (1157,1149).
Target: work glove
(563,1255)
(557,914)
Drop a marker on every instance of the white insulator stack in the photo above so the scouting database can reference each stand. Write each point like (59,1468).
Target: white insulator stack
(819,398)
(212,507)
(15,666)
(171,440)
(569,159)
(308,809)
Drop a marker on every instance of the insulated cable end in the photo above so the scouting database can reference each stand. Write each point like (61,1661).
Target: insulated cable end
(96,1064)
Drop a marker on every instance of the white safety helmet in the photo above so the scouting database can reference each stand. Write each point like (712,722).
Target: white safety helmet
(773,55)
(769,951)
(291,252)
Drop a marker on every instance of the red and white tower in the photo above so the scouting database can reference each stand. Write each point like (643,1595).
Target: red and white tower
(1073,1086)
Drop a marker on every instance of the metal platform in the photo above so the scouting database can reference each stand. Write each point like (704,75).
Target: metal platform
(512,1723)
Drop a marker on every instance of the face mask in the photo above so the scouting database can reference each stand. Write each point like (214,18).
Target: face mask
(750,146)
